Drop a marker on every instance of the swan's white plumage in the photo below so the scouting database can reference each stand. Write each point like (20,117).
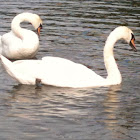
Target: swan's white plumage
(20,43)
(52,71)
(61,72)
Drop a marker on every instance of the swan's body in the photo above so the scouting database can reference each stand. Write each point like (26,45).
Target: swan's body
(65,73)
(27,71)
(21,43)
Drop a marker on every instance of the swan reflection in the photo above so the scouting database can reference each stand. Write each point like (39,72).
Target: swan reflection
(73,107)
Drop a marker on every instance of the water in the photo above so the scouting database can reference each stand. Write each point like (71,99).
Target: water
(75,30)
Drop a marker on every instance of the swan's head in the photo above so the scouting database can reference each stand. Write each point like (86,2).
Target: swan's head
(127,34)
(34,19)
(37,23)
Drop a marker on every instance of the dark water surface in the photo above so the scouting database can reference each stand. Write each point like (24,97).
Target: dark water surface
(76,30)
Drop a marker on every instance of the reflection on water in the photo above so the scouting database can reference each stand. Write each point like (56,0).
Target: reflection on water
(62,112)
(117,119)
(75,30)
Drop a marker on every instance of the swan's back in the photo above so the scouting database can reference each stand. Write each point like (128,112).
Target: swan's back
(65,73)
(30,67)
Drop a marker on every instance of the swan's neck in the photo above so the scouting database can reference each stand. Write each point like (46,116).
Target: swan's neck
(114,75)
(15,25)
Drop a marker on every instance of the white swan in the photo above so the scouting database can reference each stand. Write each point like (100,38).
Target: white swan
(21,43)
(65,73)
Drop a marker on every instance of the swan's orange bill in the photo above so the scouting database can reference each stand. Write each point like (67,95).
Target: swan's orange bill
(39,29)
(132,44)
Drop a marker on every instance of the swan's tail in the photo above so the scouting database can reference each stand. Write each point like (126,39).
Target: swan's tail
(14,73)
(8,65)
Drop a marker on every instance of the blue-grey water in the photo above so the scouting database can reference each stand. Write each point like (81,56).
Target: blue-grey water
(77,30)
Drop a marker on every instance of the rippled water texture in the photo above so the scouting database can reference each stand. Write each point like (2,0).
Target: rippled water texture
(76,30)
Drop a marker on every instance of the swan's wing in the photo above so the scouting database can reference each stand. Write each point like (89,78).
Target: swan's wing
(10,44)
(9,39)
(29,68)
(65,73)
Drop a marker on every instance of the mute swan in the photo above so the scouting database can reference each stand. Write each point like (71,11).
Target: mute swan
(61,72)
(21,43)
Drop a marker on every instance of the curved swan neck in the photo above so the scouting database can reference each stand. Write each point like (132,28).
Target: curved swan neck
(15,25)
(114,75)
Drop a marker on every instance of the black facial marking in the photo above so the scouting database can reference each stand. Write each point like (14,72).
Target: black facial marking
(40,26)
(133,37)
(132,43)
